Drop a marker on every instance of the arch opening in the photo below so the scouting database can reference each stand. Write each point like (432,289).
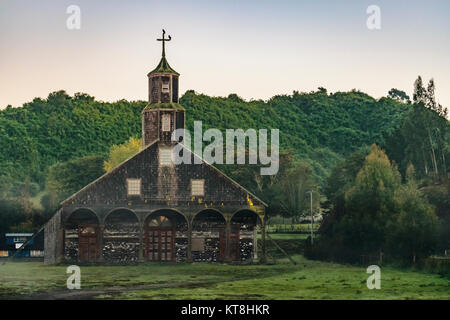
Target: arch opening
(208,236)
(245,225)
(81,236)
(165,236)
(121,236)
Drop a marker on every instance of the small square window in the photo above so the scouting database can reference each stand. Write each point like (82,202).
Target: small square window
(165,157)
(165,88)
(166,122)
(197,187)
(134,187)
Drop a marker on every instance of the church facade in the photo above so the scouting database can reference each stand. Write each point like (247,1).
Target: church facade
(150,209)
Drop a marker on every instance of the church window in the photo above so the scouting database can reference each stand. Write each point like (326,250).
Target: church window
(165,122)
(160,221)
(134,187)
(165,88)
(165,157)
(197,187)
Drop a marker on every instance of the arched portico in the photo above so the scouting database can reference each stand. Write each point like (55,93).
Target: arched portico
(243,234)
(165,236)
(82,236)
(208,236)
(121,236)
(162,235)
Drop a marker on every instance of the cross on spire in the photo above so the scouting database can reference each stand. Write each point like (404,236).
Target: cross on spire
(164,39)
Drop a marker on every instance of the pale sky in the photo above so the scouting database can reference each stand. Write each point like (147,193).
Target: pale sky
(255,49)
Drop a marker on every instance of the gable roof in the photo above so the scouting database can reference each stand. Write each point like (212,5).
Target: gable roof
(107,173)
(144,149)
(224,175)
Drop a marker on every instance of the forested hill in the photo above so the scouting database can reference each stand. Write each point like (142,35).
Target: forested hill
(320,127)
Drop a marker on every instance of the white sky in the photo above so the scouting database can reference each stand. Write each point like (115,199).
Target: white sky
(256,49)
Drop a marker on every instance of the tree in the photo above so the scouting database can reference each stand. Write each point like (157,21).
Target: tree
(320,127)
(120,153)
(341,179)
(268,187)
(370,203)
(295,185)
(414,233)
(433,120)
(423,136)
(399,95)
(11,213)
(66,178)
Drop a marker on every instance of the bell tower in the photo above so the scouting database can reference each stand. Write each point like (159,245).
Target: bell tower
(163,114)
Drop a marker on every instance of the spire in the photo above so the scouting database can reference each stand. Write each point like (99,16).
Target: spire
(163,66)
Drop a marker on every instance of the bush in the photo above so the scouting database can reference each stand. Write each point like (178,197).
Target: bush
(440,265)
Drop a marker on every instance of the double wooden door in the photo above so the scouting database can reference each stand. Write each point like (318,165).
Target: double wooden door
(160,243)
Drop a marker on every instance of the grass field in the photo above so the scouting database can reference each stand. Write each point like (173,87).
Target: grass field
(281,280)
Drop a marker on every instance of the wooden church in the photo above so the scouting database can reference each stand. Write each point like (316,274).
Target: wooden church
(149,209)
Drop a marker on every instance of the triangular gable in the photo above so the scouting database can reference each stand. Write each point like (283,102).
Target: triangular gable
(224,175)
(107,173)
(208,165)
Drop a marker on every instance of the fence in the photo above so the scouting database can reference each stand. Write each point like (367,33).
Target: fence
(292,228)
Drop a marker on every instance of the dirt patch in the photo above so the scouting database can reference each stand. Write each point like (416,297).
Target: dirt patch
(87,294)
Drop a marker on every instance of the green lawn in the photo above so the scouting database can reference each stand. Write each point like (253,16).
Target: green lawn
(306,280)
(288,236)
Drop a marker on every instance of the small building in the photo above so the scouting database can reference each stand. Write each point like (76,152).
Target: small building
(10,243)
(150,209)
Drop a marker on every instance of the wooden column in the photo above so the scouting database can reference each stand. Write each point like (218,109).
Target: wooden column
(159,89)
(171,91)
(263,240)
(101,233)
(228,240)
(255,242)
(189,245)
(141,242)
(60,238)
(60,245)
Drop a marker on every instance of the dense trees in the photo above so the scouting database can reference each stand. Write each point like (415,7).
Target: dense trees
(413,233)
(66,178)
(370,202)
(296,185)
(60,128)
(423,135)
(399,95)
(378,214)
(320,127)
(374,209)
(120,153)
(286,192)
(60,144)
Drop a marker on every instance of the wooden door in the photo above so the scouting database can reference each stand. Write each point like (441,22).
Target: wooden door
(160,244)
(233,243)
(88,250)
